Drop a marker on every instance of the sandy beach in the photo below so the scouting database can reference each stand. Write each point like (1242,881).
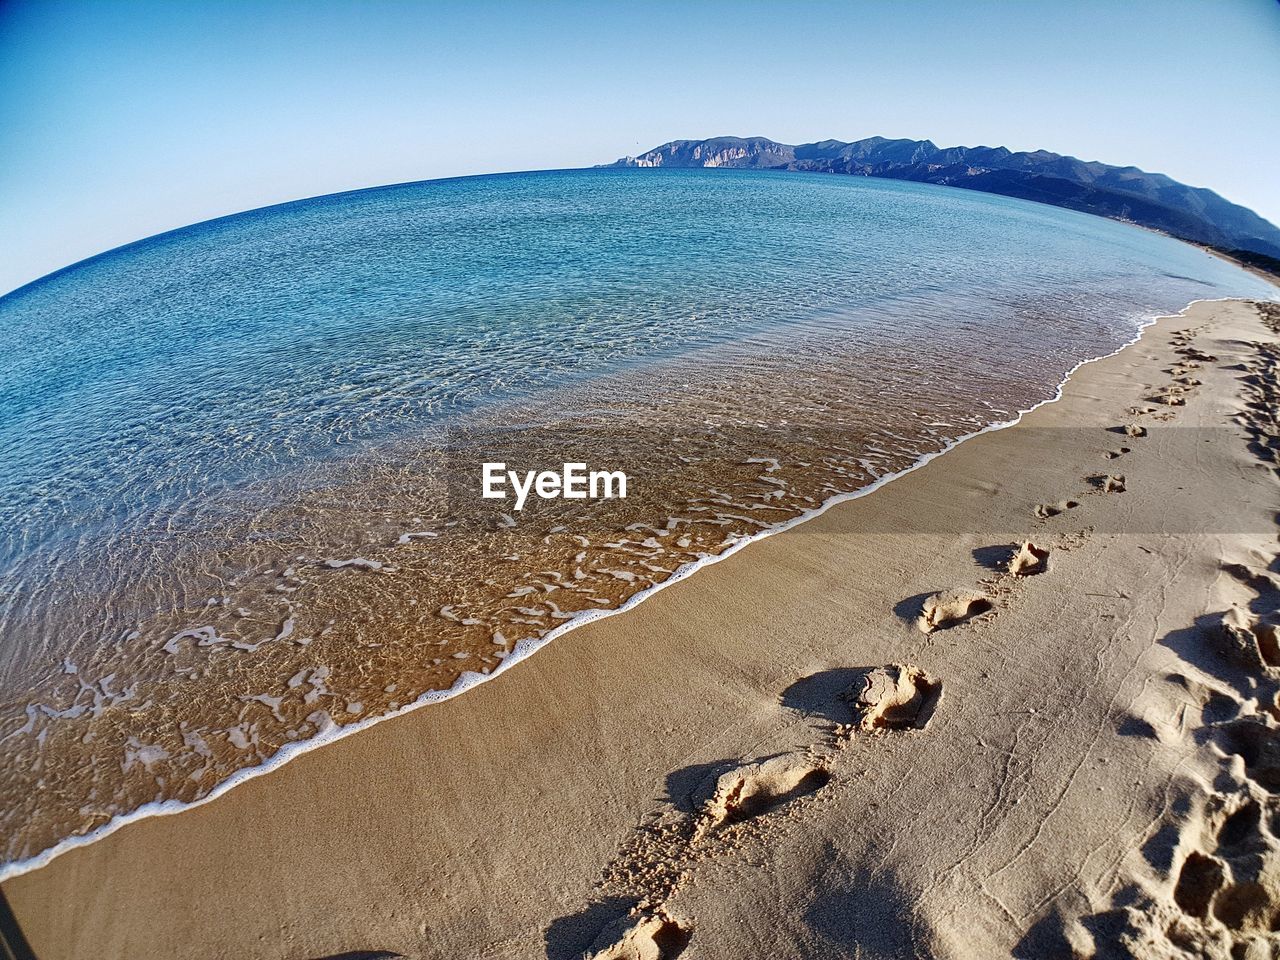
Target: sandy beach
(803,751)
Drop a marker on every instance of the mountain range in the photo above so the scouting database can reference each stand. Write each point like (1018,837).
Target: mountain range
(1122,193)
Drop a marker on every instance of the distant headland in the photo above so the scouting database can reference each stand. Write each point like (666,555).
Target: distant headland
(1122,193)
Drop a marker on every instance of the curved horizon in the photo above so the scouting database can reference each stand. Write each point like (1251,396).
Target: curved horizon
(189,115)
(468,176)
(128,244)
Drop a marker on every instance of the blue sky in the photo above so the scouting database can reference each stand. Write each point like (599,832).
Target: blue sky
(122,119)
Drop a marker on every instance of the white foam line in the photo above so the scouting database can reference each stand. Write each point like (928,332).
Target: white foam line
(526,648)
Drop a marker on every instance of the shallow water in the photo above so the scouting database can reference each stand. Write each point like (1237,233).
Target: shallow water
(239,497)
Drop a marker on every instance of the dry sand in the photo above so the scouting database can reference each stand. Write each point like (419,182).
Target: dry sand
(1075,756)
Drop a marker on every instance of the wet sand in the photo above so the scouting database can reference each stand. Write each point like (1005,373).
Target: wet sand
(1087,757)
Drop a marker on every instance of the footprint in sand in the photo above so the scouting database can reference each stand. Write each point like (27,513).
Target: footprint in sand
(1249,641)
(1044,510)
(1259,581)
(641,936)
(1199,880)
(1257,743)
(899,696)
(756,788)
(1117,454)
(1222,899)
(952,608)
(1028,560)
(1133,430)
(1172,396)
(1109,483)
(1225,896)
(1231,885)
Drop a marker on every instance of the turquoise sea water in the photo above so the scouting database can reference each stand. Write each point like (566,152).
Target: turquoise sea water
(154,397)
(224,351)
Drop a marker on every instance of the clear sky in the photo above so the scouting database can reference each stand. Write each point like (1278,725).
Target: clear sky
(123,118)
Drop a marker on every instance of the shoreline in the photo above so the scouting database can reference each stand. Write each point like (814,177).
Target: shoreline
(1068,738)
(524,649)
(1267,275)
